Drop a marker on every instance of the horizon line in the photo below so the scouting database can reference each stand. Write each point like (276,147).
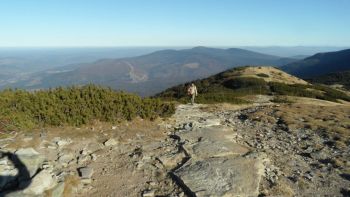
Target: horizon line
(177,46)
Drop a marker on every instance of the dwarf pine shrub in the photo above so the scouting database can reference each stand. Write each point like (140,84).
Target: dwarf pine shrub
(75,106)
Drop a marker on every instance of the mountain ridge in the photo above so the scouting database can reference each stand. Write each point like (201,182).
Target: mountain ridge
(320,64)
(154,72)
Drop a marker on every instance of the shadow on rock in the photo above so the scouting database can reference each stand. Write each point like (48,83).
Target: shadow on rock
(23,174)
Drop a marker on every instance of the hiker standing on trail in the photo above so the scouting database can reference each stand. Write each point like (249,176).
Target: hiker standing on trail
(192,91)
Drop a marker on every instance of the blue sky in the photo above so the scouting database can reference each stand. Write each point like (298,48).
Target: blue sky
(174,23)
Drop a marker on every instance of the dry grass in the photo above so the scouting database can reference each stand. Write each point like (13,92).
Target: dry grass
(334,119)
(71,182)
(314,102)
(274,74)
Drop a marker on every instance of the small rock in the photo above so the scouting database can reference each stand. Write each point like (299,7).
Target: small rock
(63,142)
(93,157)
(83,158)
(52,147)
(83,152)
(86,181)
(150,193)
(66,158)
(27,139)
(110,142)
(86,172)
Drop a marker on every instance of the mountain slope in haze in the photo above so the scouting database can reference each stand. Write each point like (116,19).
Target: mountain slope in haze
(320,64)
(152,73)
(290,51)
(234,84)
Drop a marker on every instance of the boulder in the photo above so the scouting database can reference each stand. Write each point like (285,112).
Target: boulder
(31,159)
(41,182)
(7,175)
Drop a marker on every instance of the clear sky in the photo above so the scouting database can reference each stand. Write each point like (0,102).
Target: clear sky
(174,23)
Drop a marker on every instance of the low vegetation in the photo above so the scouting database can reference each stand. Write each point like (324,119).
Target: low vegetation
(75,106)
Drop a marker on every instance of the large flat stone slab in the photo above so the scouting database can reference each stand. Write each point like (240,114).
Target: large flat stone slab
(220,148)
(222,176)
(209,133)
(31,159)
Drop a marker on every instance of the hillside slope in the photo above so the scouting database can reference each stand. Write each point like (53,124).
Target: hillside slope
(152,73)
(233,84)
(320,64)
(336,78)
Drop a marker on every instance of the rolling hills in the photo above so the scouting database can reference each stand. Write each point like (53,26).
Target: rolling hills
(151,73)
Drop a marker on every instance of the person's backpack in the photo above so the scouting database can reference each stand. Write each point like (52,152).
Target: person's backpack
(189,90)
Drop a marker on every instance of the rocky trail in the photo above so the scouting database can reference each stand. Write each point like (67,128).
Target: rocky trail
(247,151)
(216,165)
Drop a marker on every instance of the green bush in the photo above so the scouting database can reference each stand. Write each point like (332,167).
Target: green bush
(331,93)
(315,91)
(292,90)
(210,98)
(245,82)
(75,106)
(263,75)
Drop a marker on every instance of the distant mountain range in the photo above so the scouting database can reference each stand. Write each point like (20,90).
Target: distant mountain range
(19,63)
(293,51)
(151,73)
